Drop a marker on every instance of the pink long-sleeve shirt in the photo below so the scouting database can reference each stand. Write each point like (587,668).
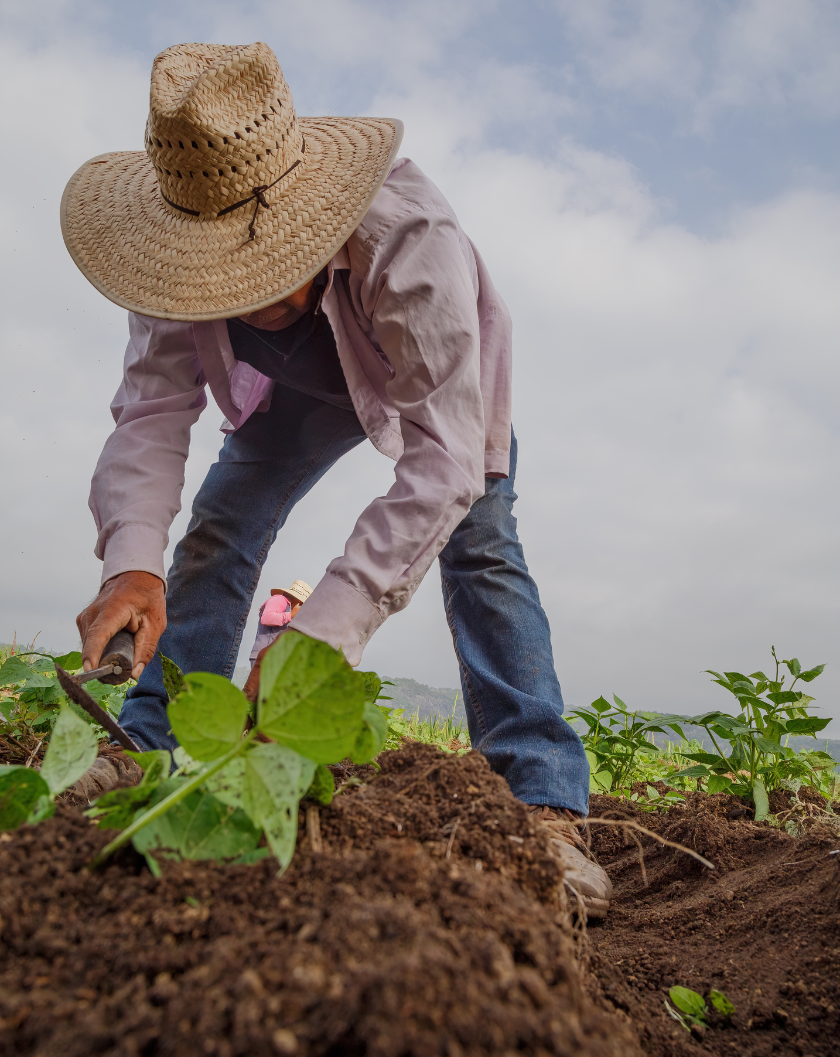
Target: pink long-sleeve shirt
(425,344)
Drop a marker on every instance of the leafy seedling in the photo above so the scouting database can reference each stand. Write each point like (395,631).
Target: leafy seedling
(26,796)
(691,1008)
(721,1003)
(233,787)
(615,740)
(751,753)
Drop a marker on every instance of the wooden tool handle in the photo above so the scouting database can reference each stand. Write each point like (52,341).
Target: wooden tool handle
(120,653)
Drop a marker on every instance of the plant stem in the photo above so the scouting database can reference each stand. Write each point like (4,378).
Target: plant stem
(173,798)
(724,758)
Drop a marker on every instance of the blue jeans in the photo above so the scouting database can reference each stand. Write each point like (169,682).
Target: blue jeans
(501,635)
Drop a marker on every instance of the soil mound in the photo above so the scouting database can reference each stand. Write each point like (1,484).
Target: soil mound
(423,915)
(763,927)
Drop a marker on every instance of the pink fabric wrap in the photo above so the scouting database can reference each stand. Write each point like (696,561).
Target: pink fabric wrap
(276,612)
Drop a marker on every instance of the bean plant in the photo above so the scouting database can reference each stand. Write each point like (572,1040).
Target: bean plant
(231,786)
(31,698)
(616,741)
(691,1008)
(751,756)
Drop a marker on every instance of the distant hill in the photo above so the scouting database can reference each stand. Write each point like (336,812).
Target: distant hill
(424,700)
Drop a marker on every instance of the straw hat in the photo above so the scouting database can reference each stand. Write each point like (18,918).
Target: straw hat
(298,592)
(235,203)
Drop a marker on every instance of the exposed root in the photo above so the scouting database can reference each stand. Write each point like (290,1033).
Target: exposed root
(627,825)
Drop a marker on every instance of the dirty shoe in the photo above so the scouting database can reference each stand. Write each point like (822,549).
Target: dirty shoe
(110,770)
(586,879)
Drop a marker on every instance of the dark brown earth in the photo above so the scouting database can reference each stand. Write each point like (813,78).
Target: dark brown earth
(421,927)
(764,928)
(379,944)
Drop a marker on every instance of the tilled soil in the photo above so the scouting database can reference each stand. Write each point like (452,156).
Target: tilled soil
(763,927)
(423,915)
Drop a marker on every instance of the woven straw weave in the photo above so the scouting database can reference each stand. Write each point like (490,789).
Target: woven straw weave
(222,123)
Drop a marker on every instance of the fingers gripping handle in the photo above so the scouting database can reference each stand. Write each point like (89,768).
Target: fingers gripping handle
(120,653)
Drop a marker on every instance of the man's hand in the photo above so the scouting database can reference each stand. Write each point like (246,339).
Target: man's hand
(134,601)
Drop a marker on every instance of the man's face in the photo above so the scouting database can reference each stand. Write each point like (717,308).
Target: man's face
(282,313)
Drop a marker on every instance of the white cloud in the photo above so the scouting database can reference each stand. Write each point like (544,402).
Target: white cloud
(675,395)
(765,54)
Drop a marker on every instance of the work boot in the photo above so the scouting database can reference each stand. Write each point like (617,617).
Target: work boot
(111,769)
(581,874)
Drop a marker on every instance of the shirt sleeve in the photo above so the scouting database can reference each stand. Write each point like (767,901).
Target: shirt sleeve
(136,487)
(421,300)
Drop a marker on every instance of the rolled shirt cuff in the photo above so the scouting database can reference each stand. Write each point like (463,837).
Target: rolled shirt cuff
(134,548)
(338,614)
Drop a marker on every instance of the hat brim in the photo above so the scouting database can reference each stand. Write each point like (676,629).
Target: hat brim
(288,593)
(145,255)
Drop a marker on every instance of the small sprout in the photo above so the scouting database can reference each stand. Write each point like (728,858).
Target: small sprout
(691,1008)
(721,1003)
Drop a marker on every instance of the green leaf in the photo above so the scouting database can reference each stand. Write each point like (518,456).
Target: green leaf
(721,1003)
(600,782)
(22,795)
(13,670)
(37,681)
(619,703)
(71,751)
(173,677)
(784,697)
(275,779)
(373,685)
(70,662)
(793,666)
(372,736)
(719,783)
(323,785)
(688,1001)
(310,698)
(209,716)
(228,785)
(155,763)
(118,808)
(700,771)
(809,725)
(762,804)
(811,674)
(197,827)
(738,679)
(766,745)
(601,705)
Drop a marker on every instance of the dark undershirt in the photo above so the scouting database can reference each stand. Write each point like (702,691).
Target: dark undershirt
(302,356)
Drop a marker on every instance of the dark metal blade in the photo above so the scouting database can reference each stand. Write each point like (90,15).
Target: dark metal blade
(96,711)
(86,677)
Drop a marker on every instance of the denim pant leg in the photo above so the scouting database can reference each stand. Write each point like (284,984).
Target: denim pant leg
(264,468)
(502,640)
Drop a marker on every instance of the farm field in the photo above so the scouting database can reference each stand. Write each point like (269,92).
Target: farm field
(423,909)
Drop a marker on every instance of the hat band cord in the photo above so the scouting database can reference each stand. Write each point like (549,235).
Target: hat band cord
(258,196)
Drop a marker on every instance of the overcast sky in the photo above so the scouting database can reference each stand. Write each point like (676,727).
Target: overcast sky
(654,186)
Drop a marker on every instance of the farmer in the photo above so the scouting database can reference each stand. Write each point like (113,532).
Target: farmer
(275,616)
(326,293)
